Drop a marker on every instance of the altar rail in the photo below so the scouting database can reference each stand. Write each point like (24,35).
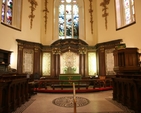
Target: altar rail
(86,83)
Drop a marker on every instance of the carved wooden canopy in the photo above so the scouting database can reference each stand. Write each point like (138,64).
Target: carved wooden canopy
(73,45)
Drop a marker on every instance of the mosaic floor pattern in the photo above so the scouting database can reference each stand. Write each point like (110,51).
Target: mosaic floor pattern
(68,101)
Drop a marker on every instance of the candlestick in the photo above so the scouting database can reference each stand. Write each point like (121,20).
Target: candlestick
(74,90)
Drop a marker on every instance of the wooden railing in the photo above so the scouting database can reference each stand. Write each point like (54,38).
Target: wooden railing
(86,83)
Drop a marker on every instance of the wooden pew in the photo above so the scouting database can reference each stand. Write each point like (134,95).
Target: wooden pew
(13,93)
(127,91)
(4,96)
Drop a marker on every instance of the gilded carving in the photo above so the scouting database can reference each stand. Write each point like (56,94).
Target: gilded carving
(46,17)
(101,48)
(105,14)
(20,44)
(56,51)
(33,7)
(91,16)
(82,50)
(36,49)
(20,48)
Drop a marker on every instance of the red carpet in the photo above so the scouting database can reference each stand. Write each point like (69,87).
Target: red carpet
(43,90)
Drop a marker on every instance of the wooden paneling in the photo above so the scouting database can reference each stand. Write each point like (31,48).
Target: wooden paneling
(101,59)
(13,92)
(61,46)
(129,97)
(4,60)
(36,48)
(126,60)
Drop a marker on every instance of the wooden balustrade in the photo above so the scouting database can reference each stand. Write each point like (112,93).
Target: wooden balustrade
(78,83)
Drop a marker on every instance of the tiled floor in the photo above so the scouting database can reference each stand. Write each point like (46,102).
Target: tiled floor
(99,103)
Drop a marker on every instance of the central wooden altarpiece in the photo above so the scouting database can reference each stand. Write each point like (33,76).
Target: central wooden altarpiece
(30,56)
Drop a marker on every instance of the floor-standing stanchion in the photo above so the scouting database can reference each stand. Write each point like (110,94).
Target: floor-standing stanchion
(74,98)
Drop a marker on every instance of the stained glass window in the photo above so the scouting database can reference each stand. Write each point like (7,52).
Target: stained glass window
(68,19)
(3,11)
(125,13)
(7,11)
(11,13)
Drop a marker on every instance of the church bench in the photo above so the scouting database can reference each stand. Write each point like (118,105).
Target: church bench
(127,91)
(13,93)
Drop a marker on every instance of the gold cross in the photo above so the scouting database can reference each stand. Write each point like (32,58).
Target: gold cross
(70,78)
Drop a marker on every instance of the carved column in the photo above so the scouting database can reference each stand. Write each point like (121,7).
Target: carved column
(86,65)
(53,65)
(20,57)
(101,60)
(82,65)
(57,65)
(37,60)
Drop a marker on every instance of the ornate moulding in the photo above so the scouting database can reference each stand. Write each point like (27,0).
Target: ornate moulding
(73,45)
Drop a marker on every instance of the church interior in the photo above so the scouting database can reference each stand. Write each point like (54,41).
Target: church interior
(87,53)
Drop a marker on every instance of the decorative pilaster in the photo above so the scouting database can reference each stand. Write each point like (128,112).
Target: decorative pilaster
(56,59)
(105,14)
(33,7)
(20,58)
(82,52)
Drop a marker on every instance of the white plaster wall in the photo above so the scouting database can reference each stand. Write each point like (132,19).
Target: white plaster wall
(130,35)
(49,37)
(8,36)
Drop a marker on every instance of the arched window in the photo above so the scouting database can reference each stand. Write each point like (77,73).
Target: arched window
(125,13)
(67,19)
